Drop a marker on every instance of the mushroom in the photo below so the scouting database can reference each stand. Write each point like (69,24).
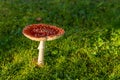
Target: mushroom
(42,33)
(38,19)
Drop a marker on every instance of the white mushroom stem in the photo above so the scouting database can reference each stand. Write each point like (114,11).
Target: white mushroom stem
(41,53)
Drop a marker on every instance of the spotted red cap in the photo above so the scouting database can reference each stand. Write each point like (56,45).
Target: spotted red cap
(43,32)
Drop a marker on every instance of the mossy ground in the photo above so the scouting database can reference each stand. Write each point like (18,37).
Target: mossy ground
(89,50)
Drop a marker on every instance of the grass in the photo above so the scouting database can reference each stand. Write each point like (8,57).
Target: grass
(89,50)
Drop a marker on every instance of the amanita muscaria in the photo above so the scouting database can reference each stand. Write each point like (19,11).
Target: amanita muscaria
(42,33)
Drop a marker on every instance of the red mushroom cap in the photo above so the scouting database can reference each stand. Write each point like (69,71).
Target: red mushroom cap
(43,32)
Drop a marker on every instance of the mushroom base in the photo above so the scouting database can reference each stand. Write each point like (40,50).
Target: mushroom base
(35,61)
